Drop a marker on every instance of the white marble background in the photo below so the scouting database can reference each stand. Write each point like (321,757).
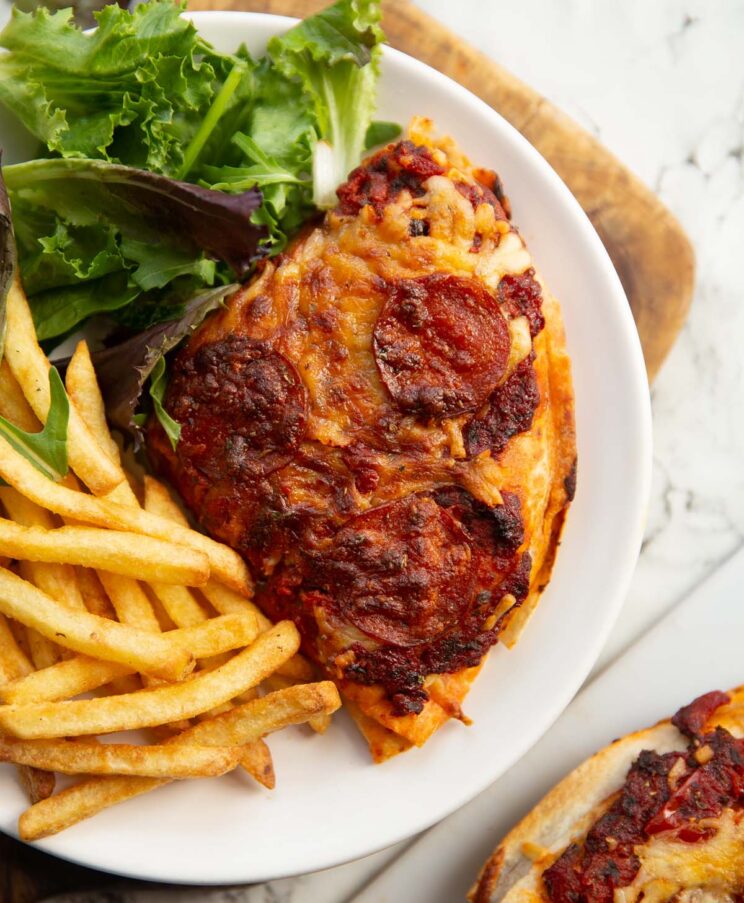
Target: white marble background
(661,83)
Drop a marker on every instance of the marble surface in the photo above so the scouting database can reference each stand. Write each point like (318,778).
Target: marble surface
(662,85)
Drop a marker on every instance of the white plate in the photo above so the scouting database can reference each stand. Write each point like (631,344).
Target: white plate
(331,803)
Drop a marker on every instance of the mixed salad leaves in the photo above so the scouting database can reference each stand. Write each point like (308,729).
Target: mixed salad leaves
(167,169)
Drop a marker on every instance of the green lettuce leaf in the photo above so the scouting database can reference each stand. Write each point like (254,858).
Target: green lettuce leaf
(380,132)
(158,385)
(47,449)
(131,91)
(335,56)
(123,369)
(125,232)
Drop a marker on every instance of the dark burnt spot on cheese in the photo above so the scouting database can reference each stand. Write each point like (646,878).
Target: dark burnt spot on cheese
(509,411)
(479,194)
(521,295)
(378,182)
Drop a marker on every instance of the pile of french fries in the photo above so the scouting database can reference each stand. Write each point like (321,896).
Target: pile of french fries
(105,590)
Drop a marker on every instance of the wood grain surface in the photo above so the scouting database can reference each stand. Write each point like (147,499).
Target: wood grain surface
(647,245)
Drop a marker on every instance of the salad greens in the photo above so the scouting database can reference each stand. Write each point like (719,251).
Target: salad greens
(47,449)
(335,58)
(124,368)
(168,168)
(126,231)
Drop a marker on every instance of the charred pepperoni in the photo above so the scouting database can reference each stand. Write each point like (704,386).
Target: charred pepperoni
(241,406)
(423,575)
(401,572)
(509,411)
(441,344)
(522,296)
(690,719)
(402,166)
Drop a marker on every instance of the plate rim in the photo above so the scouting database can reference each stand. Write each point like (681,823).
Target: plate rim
(638,390)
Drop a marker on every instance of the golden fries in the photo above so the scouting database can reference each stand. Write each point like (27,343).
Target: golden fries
(82,389)
(14,664)
(226,564)
(110,550)
(237,727)
(31,369)
(13,404)
(96,587)
(39,785)
(159,705)
(179,604)
(82,673)
(89,634)
(78,757)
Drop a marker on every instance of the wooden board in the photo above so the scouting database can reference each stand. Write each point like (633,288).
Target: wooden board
(649,248)
(647,245)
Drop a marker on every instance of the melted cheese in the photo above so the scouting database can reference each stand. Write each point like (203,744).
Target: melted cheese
(668,867)
(510,258)
(520,345)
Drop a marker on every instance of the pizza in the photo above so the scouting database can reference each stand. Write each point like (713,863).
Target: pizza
(654,817)
(382,424)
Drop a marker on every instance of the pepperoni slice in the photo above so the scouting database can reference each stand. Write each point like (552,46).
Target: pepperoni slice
(241,406)
(400,572)
(441,344)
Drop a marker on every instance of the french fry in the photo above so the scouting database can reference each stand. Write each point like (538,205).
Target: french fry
(97,637)
(82,673)
(82,387)
(318,723)
(94,597)
(43,652)
(237,727)
(13,665)
(39,785)
(110,550)
(180,605)
(80,757)
(226,565)
(158,500)
(130,602)
(225,600)
(57,580)
(155,706)
(30,367)
(256,759)
(13,404)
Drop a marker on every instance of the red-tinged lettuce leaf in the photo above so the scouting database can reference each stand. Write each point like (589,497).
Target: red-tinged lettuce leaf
(144,206)
(7,257)
(123,369)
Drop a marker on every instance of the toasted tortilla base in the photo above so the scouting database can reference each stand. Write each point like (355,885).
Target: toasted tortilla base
(514,871)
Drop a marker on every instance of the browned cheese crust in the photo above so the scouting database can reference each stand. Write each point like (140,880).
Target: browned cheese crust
(382,423)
